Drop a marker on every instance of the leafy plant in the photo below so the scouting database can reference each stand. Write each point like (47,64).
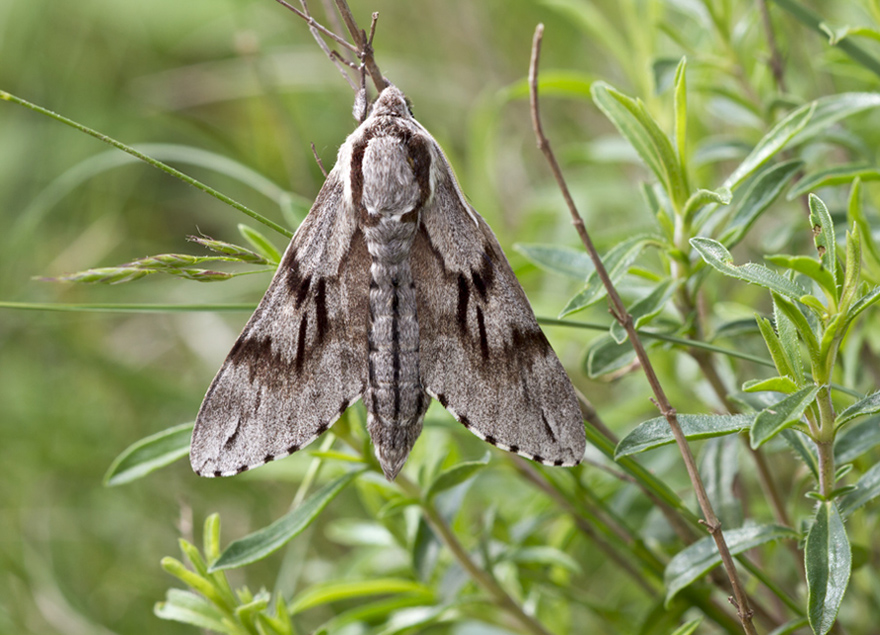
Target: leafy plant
(731,182)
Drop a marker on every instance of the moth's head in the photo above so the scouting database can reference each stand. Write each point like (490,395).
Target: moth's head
(391,103)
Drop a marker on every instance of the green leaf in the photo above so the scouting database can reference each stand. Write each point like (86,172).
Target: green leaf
(788,339)
(656,432)
(791,626)
(781,415)
(149,454)
(680,109)
(189,608)
(688,628)
(719,466)
(824,237)
(831,109)
(703,197)
(763,190)
(544,555)
(261,543)
(856,440)
(645,309)
(863,303)
(809,267)
(455,476)
(567,261)
(805,449)
(828,563)
(775,384)
(867,406)
(617,261)
(856,215)
(698,559)
(633,121)
(774,346)
(335,591)
(833,176)
(840,33)
(717,256)
(866,490)
(260,243)
(604,355)
(772,143)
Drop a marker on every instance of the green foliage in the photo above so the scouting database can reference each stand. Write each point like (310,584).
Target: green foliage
(735,207)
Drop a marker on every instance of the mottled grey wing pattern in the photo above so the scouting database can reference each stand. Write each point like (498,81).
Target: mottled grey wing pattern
(481,352)
(301,360)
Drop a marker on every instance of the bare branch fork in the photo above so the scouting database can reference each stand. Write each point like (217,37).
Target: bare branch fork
(362,47)
(739,600)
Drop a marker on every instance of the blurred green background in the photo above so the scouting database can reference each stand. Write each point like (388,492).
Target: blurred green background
(239,79)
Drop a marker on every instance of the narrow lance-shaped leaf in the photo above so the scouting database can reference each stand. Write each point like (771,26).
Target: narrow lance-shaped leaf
(823,236)
(701,557)
(656,432)
(856,215)
(763,190)
(189,608)
(857,439)
(335,591)
(574,263)
(149,454)
(777,350)
(455,475)
(772,143)
(645,309)
(788,339)
(260,243)
(261,543)
(703,197)
(617,262)
(866,490)
(783,414)
(863,303)
(634,122)
(867,406)
(828,562)
(680,107)
(810,267)
(804,448)
(717,256)
(831,109)
(833,176)
(771,384)
(604,355)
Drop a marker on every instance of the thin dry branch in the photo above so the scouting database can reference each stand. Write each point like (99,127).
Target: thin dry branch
(364,44)
(740,599)
(333,55)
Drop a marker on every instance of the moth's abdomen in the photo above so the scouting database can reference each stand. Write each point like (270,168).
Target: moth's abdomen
(395,400)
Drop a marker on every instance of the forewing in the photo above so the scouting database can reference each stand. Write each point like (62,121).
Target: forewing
(481,352)
(301,360)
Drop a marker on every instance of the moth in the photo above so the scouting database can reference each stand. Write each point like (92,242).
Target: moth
(395,291)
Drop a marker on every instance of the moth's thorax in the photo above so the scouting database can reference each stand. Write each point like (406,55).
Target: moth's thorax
(390,187)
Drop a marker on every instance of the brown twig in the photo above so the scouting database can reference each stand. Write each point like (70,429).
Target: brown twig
(740,599)
(333,55)
(316,25)
(364,44)
(318,160)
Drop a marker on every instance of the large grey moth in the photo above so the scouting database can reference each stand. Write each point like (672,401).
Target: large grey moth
(393,290)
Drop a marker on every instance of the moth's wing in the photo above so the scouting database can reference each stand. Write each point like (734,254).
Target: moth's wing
(481,352)
(301,360)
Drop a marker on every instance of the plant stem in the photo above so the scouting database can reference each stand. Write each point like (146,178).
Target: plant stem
(626,321)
